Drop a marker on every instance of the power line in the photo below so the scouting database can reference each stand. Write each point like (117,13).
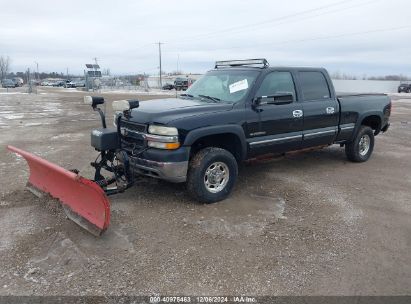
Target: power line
(300,19)
(252,26)
(323,37)
(279,20)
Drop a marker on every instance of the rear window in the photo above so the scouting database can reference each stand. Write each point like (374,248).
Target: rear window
(314,86)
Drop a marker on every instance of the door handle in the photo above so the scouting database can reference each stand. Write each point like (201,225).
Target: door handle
(330,110)
(297,113)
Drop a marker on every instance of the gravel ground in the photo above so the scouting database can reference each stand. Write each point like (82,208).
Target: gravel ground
(305,224)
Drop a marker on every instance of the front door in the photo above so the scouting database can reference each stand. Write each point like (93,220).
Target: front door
(279,126)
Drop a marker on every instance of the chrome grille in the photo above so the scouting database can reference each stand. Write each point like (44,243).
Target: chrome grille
(132,126)
(133,137)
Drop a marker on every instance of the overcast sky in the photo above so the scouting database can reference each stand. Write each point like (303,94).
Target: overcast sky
(357,37)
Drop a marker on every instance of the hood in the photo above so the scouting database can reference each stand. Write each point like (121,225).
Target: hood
(163,111)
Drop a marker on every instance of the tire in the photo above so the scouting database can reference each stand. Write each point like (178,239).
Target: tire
(409,91)
(202,182)
(360,149)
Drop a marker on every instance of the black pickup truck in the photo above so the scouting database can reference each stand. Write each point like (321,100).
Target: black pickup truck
(240,110)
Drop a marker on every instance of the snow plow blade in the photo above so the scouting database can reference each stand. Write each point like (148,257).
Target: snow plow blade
(83,200)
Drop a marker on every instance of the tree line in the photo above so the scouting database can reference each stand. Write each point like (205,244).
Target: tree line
(344,76)
(5,63)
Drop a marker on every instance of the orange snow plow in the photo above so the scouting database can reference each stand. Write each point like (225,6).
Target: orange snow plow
(83,200)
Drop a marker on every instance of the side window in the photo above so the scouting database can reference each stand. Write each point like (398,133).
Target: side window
(277,83)
(314,86)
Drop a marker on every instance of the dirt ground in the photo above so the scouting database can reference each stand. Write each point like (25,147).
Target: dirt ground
(306,224)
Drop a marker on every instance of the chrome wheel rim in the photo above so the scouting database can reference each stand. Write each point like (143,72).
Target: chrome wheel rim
(216,177)
(364,144)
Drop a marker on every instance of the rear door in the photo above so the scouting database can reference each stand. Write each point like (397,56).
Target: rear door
(277,127)
(321,110)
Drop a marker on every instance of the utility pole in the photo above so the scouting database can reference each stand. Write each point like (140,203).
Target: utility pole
(30,89)
(95,70)
(67,73)
(38,75)
(159,54)
(178,62)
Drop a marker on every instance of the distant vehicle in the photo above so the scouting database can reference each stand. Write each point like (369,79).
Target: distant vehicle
(35,82)
(168,86)
(183,83)
(69,84)
(59,83)
(8,83)
(404,87)
(80,83)
(18,81)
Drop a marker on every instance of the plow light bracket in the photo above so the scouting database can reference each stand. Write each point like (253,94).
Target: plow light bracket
(125,105)
(94,101)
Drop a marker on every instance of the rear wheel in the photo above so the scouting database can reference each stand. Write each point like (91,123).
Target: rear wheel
(212,175)
(360,149)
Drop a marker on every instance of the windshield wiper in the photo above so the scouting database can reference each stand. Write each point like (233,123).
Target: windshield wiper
(187,95)
(215,99)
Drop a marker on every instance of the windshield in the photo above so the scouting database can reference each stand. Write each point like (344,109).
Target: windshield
(223,86)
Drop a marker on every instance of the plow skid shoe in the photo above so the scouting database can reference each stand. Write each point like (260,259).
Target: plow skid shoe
(82,199)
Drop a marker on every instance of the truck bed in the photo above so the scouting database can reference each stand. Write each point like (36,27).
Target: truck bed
(354,107)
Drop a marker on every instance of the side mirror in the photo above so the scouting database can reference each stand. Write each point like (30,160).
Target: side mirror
(282,98)
(276,99)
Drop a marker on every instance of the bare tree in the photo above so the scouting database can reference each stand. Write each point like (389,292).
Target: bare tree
(4,66)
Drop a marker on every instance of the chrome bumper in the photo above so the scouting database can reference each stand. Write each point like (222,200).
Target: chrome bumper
(175,172)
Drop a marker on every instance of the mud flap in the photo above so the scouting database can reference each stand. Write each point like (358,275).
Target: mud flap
(83,200)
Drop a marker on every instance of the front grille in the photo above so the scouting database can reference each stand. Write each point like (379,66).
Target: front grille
(131,144)
(133,137)
(132,126)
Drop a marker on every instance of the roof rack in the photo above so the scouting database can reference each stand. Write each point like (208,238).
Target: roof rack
(259,62)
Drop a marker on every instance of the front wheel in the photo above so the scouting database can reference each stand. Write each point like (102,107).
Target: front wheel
(212,174)
(360,149)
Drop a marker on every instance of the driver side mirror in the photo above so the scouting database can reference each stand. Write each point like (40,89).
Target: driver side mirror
(276,99)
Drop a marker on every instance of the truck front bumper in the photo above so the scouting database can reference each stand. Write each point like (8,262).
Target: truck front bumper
(169,165)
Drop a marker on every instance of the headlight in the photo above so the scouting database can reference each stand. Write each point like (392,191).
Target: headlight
(161,130)
(161,137)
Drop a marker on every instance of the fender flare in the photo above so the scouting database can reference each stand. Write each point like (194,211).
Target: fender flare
(237,130)
(361,118)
